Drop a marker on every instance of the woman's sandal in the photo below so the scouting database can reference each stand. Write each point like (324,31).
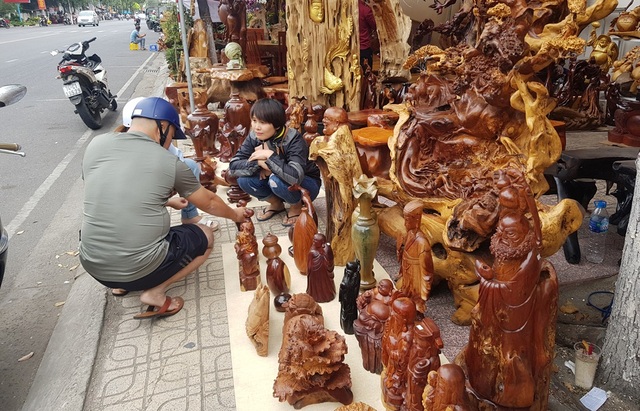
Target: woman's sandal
(268,214)
(119,292)
(290,220)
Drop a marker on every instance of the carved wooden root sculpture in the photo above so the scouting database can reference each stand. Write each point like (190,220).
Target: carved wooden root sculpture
(257,324)
(475,110)
(321,375)
(337,159)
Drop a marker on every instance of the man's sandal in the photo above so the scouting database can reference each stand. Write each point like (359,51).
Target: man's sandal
(155,312)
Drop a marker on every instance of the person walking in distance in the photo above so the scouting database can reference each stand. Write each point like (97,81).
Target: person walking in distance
(367,25)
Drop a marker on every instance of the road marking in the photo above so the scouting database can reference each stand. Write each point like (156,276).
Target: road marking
(12,60)
(41,191)
(28,38)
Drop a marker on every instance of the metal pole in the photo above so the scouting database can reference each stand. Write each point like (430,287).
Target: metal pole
(185,48)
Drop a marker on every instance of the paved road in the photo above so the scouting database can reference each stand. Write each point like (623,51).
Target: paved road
(39,194)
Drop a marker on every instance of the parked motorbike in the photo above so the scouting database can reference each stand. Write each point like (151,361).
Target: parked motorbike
(44,21)
(8,95)
(4,23)
(67,20)
(85,83)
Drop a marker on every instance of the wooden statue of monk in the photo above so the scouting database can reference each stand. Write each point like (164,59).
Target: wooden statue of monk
(416,264)
(320,284)
(511,343)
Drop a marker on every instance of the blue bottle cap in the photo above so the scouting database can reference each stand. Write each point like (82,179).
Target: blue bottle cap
(600,204)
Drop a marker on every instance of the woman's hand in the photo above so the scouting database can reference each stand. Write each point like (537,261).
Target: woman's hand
(261,154)
(264,174)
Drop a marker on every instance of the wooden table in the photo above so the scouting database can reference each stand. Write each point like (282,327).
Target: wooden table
(358,119)
(266,46)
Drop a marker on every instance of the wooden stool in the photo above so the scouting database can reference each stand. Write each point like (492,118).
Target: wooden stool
(373,150)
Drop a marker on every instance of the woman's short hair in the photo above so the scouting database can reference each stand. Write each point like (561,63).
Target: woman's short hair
(270,111)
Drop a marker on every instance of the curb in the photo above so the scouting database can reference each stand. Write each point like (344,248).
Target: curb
(62,380)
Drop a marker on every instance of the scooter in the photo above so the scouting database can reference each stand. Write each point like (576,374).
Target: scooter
(9,94)
(4,23)
(67,20)
(85,83)
(44,21)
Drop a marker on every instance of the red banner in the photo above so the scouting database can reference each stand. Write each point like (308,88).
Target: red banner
(41,5)
(16,1)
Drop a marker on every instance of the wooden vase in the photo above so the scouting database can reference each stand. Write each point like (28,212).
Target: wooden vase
(365,235)
(200,126)
(236,126)
(303,232)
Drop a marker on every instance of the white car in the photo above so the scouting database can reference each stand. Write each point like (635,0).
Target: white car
(86,17)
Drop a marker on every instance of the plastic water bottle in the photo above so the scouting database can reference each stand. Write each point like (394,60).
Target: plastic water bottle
(598,227)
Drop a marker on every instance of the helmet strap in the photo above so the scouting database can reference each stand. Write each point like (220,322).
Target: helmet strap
(163,133)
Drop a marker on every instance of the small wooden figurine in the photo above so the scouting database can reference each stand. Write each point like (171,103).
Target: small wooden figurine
(349,290)
(257,323)
(369,326)
(424,357)
(320,284)
(247,252)
(396,346)
(446,390)
(296,113)
(278,277)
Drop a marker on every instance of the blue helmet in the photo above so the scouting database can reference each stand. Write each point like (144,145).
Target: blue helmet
(157,108)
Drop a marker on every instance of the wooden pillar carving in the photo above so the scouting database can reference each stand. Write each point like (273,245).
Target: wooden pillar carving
(394,28)
(320,55)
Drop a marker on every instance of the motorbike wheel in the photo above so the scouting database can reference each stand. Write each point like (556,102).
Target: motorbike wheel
(91,118)
(114,105)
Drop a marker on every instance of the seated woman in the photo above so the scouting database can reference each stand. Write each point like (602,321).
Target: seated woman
(271,159)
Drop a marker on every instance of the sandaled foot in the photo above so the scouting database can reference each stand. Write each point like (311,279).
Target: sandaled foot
(290,220)
(119,292)
(212,224)
(155,312)
(267,214)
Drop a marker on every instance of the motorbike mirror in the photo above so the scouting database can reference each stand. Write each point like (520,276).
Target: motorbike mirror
(11,93)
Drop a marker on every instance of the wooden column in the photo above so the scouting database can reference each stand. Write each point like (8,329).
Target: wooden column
(320,55)
(394,28)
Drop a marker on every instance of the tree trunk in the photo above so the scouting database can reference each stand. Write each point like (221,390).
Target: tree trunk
(620,363)
(203,8)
